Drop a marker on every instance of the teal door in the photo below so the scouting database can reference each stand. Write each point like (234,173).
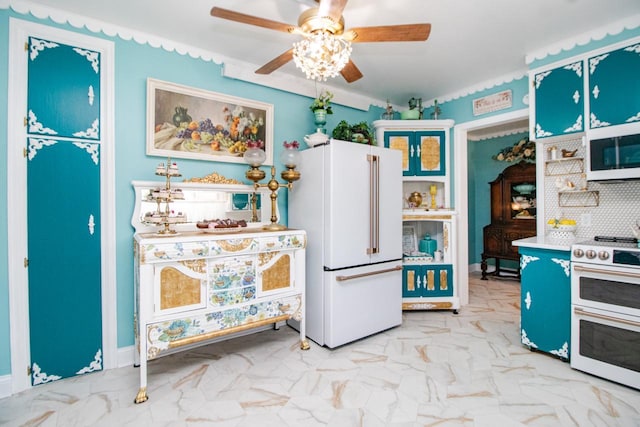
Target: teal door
(559,101)
(63,210)
(614,87)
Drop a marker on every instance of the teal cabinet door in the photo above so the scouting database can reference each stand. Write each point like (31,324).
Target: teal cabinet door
(403,141)
(65,317)
(545,311)
(63,90)
(559,101)
(429,159)
(423,152)
(614,87)
(427,280)
(63,210)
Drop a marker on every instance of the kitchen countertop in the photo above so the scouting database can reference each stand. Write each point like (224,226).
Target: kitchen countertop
(544,242)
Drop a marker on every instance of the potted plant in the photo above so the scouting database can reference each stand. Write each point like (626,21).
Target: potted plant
(321,106)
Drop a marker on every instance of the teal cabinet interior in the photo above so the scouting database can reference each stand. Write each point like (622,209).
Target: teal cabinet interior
(545,312)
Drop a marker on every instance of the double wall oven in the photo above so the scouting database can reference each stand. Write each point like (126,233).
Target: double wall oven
(605,309)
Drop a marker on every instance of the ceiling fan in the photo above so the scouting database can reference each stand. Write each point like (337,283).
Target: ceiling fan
(327,19)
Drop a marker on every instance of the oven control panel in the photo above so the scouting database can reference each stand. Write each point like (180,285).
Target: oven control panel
(597,253)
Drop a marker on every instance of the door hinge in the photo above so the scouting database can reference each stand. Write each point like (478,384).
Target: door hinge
(29,372)
(26,262)
(24,121)
(25,153)
(26,46)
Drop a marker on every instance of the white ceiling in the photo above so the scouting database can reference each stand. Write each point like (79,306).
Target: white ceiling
(472,42)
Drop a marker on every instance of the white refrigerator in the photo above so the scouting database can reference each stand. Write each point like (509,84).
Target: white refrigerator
(349,201)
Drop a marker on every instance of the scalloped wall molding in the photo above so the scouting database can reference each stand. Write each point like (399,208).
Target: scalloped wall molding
(597,34)
(233,68)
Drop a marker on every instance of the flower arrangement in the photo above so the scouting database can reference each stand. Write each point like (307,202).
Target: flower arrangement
(322,102)
(521,150)
(291,145)
(255,143)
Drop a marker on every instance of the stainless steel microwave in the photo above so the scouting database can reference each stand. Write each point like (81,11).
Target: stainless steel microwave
(613,158)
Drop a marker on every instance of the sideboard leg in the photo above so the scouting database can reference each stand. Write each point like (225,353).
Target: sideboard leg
(304,345)
(141,397)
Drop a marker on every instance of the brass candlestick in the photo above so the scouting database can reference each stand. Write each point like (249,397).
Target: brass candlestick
(433,190)
(255,157)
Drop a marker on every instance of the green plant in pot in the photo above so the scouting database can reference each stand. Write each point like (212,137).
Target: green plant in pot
(360,132)
(321,106)
(342,131)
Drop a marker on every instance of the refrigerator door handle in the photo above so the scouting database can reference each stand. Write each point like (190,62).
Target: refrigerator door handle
(371,273)
(374,204)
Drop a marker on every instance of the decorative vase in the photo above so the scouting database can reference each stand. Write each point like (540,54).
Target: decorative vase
(427,245)
(320,118)
(415,199)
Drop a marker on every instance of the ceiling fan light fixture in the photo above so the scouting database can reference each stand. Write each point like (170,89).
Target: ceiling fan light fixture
(321,55)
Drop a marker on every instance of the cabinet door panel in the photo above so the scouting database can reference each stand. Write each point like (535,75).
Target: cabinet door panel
(546,300)
(275,272)
(429,153)
(614,87)
(559,104)
(180,286)
(63,92)
(402,141)
(65,316)
(412,281)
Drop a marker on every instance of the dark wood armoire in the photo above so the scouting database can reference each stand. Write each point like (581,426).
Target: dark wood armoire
(513,217)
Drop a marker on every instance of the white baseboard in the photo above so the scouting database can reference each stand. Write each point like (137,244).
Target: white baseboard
(5,386)
(474,268)
(125,356)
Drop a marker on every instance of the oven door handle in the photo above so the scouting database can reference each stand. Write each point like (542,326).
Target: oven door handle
(612,272)
(584,313)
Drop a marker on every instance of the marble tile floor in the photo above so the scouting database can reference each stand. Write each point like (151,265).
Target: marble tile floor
(437,369)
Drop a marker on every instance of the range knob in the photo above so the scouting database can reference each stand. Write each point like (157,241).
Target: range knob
(591,254)
(578,253)
(603,255)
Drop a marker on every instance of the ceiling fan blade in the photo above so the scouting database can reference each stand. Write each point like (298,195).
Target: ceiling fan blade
(231,15)
(389,33)
(276,63)
(350,72)
(332,9)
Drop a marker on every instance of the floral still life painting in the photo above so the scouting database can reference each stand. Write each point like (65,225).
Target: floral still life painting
(521,150)
(184,122)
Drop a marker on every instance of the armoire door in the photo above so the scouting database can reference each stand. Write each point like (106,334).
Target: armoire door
(63,210)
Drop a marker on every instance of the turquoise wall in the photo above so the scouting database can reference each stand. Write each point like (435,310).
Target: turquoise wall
(133,64)
(483,169)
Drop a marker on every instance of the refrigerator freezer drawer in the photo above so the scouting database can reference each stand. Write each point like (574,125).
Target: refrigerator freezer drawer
(361,301)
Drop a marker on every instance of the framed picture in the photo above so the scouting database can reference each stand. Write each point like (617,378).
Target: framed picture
(409,239)
(189,123)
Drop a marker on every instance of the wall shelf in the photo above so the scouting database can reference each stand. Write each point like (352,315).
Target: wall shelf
(564,166)
(578,199)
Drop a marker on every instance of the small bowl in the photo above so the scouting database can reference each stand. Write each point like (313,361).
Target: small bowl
(410,115)
(524,188)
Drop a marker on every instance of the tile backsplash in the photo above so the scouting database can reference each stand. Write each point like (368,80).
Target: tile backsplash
(618,203)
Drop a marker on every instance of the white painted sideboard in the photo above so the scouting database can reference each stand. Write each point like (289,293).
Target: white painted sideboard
(197,287)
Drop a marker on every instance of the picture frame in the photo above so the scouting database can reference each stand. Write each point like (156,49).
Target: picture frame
(409,239)
(190,123)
